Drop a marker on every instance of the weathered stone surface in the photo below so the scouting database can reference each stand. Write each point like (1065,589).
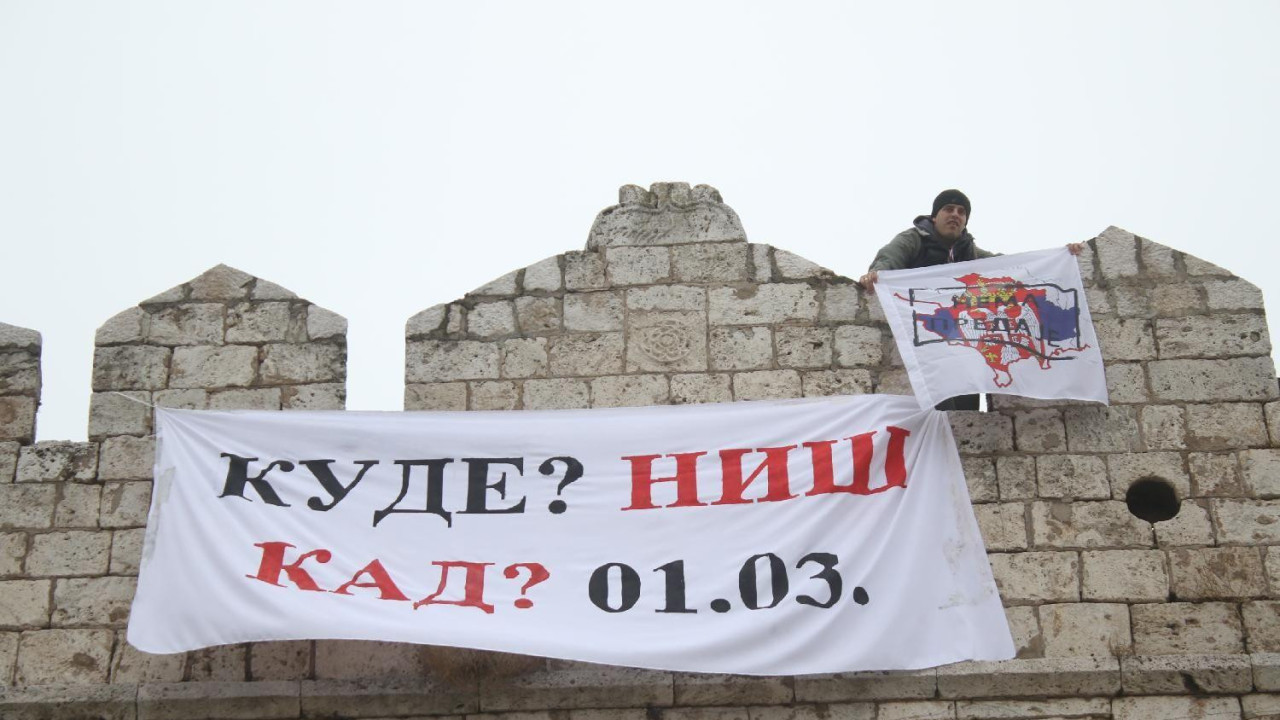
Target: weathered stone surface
(701,388)
(187,324)
(13,549)
(1216,573)
(629,391)
(918,710)
(384,698)
(427,322)
(190,399)
(321,325)
(24,603)
(543,276)
(1060,709)
(433,361)
(1106,524)
(1178,674)
(488,320)
(523,357)
(1125,338)
(314,396)
(1078,477)
(1127,383)
(1215,474)
(1233,294)
(1092,428)
(1036,577)
(667,213)
(1266,671)
(57,461)
(1043,677)
(436,396)
(1025,627)
(70,702)
(841,303)
(1213,336)
(981,433)
(766,385)
(584,271)
(98,601)
(1191,526)
(793,267)
(72,552)
(125,504)
(1261,625)
(1213,380)
(127,326)
(1260,706)
(1085,630)
(113,414)
(555,394)
(126,458)
(1179,628)
(980,477)
(772,303)
(741,348)
(503,285)
(1247,522)
(1017,477)
(866,686)
(823,383)
(593,311)
(78,506)
(219,701)
(219,664)
(285,364)
(699,689)
(1225,426)
(220,282)
(1127,468)
(27,506)
(666,341)
(1040,430)
(214,366)
(803,347)
(1260,470)
(47,657)
(126,551)
(130,367)
(585,687)
(856,345)
(637,265)
(667,297)
(1176,300)
(1117,253)
(710,263)
(1164,427)
(1124,575)
(493,395)
(1003,525)
(9,460)
(538,314)
(289,660)
(586,354)
(245,399)
(1146,708)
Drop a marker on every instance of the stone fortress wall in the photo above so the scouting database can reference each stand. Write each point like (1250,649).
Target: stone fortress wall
(1113,616)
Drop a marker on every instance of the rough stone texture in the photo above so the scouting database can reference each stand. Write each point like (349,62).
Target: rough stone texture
(1085,630)
(1178,628)
(1124,575)
(1177,674)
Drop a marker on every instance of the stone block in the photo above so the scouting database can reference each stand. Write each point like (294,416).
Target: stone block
(841,303)
(1191,526)
(741,348)
(918,710)
(180,399)
(112,414)
(436,396)
(719,262)
(557,394)
(494,395)
(1261,625)
(384,698)
(543,276)
(1131,301)
(1260,707)
(267,290)
(504,285)
(1178,674)
(126,458)
(1176,300)
(126,551)
(125,504)
(245,399)
(1197,267)
(895,382)
(1232,294)
(315,396)
(219,701)
(980,433)
(793,267)
(220,282)
(57,461)
(523,357)
(1078,477)
(1017,477)
(1127,468)
(1040,430)
(427,323)
(1157,260)
(1098,630)
(980,477)
(322,325)
(69,702)
(1266,671)
(538,314)
(284,364)
(186,324)
(1260,470)
(843,711)
(1093,428)
(666,341)
(629,391)
(803,347)
(1117,253)
(1124,576)
(1087,525)
(1003,525)
(587,687)
(1213,336)
(763,304)
(434,361)
(592,354)
(593,311)
(1146,708)
(667,297)
(1179,628)
(218,664)
(857,345)
(891,685)
(288,660)
(27,506)
(78,506)
(1036,577)
(701,388)
(69,657)
(24,603)
(584,271)
(1213,380)
(1227,573)
(701,690)
(19,372)
(1215,474)
(489,320)
(824,383)
(1125,338)
(637,265)
(130,367)
(1038,677)
(9,460)
(1163,427)
(766,385)
(1059,709)
(13,549)
(1025,627)
(127,326)
(762,265)
(99,601)
(1247,522)
(72,552)
(214,366)
(1127,383)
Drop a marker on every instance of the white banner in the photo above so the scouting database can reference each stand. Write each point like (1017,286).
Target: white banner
(803,536)
(1013,324)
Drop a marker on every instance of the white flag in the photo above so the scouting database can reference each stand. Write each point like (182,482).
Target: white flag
(1013,324)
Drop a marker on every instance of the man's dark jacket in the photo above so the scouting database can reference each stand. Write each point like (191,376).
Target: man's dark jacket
(919,246)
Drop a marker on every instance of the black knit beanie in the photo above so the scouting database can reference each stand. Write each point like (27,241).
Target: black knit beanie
(951,197)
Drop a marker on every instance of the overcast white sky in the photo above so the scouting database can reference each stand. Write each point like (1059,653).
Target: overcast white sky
(378,158)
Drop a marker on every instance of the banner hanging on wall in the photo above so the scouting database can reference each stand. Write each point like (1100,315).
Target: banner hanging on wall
(1012,324)
(804,536)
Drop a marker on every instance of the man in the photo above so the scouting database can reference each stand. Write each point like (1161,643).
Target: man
(940,238)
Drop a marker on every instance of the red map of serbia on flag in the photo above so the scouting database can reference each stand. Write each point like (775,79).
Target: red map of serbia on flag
(1003,319)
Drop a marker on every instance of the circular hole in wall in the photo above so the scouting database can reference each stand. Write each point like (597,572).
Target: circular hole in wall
(1153,499)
